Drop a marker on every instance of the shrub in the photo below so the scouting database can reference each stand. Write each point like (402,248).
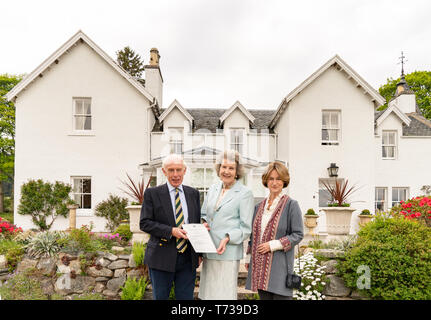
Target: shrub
(313,278)
(398,253)
(134,289)
(311,212)
(45,244)
(8,230)
(81,239)
(138,250)
(124,232)
(22,287)
(415,208)
(42,200)
(113,210)
(13,252)
(24,237)
(365,212)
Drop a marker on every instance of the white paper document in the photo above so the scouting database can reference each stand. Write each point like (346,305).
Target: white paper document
(199,237)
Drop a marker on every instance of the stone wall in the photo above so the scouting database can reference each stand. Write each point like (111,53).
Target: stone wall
(68,274)
(335,288)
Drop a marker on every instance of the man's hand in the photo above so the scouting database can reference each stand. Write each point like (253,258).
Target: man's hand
(206,226)
(179,233)
(200,260)
(247,265)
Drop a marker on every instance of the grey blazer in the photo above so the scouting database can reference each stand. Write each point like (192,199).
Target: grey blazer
(278,268)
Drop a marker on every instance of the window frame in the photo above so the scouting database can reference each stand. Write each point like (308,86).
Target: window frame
(75,115)
(174,144)
(330,127)
(384,201)
(83,211)
(236,145)
(394,132)
(406,189)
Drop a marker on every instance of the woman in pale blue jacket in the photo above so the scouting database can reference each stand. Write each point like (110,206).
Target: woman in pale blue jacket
(228,212)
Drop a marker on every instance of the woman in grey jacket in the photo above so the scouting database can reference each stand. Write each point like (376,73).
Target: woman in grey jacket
(272,239)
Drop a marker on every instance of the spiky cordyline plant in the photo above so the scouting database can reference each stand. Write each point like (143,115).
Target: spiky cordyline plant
(136,190)
(339,193)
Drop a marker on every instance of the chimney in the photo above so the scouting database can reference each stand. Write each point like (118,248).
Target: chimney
(153,77)
(404,97)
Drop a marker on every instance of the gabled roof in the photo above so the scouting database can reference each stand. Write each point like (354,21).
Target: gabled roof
(341,66)
(65,48)
(236,105)
(393,108)
(176,104)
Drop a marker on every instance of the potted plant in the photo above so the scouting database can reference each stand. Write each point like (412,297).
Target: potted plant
(311,221)
(365,217)
(136,191)
(338,213)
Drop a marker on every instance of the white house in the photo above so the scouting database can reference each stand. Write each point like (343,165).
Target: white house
(95,123)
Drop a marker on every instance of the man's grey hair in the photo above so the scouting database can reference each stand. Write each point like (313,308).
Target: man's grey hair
(173,158)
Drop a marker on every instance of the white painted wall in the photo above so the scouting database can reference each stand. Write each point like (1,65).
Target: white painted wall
(46,146)
(308,159)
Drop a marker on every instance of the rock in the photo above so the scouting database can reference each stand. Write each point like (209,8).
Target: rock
(25,264)
(125,256)
(330,266)
(132,263)
(67,285)
(104,272)
(47,287)
(337,298)
(99,287)
(104,262)
(358,295)
(109,293)
(3,262)
(47,266)
(336,287)
(330,253)
(74,265)
(116,283)
(110,256)
(117,249)
(134,274)
(119,264)
(102,279)
(120,273)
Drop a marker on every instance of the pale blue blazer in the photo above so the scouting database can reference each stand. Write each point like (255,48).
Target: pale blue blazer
(233,216)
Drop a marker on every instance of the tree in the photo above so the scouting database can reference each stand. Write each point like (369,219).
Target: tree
(419,82)
(131,62)
(7,132)
(42,200)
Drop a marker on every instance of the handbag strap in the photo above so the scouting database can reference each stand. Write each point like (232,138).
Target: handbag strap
(289,230)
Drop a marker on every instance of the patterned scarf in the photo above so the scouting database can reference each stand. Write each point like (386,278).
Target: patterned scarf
(261,263)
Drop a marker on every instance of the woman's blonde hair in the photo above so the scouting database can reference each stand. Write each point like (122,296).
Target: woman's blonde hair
(231,156)
(282,171)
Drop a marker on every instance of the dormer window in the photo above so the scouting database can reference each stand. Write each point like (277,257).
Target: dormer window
(176,140)
(389,145)
(237,140)
(330,127)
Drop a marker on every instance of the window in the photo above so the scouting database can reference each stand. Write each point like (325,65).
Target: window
(389,144)
(237,140)
(82,113)
(380,203)
(176,140)
(324,195)
(330,127)
(202,178)
(399,194)
(82,191)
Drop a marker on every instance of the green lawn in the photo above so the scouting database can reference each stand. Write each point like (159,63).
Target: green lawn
(7,216)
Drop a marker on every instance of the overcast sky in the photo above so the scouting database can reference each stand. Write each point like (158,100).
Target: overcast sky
(214,52)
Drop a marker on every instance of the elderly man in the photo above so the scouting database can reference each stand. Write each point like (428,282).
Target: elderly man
(169,255)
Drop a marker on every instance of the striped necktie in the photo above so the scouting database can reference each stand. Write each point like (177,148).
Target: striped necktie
(181,243)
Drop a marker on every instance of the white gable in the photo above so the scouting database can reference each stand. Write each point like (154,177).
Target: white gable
(237,105)
(64,49)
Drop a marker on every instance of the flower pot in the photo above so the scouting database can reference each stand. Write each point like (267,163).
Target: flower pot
(311,222)
(134,218)
(338,220)
(364,219)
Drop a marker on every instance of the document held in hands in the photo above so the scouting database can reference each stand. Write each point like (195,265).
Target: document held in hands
(199,237)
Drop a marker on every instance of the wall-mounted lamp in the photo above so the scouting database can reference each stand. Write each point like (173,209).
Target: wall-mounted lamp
(333,170)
